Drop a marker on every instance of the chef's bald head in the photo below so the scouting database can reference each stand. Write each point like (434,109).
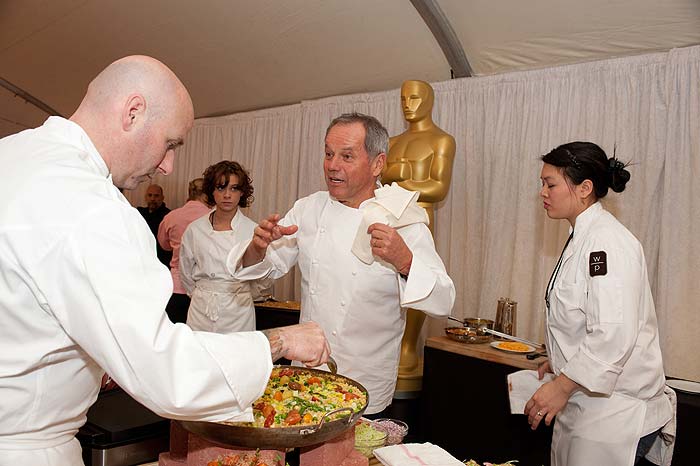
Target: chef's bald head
(137,75)
(135,111)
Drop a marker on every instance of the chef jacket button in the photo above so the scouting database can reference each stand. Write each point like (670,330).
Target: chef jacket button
(323,230)
(212,275)
(334,333)
(354,273)
(314,262)
(342,303)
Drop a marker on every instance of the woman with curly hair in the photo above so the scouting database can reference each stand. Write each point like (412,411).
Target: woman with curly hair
(220,303)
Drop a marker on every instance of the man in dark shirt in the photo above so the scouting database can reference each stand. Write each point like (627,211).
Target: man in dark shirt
(153,213)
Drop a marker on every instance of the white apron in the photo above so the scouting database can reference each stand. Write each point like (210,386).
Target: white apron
(65,454)
(661,451)
(597,431)
(221,307)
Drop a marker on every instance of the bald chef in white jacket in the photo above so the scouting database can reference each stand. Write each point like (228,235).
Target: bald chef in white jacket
(356,300)
(81,289)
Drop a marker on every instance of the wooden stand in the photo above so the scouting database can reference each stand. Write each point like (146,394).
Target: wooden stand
(187,449)
(337,452)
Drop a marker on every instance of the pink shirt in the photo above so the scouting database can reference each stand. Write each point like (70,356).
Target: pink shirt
(170,234)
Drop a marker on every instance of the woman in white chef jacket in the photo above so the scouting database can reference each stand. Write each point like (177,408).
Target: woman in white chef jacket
(220,303)
(608,390)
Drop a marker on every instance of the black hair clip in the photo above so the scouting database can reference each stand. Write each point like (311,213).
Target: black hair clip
(615,165)
(573,158)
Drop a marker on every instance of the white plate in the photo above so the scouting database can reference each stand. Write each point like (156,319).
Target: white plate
(686,386)
(494,344)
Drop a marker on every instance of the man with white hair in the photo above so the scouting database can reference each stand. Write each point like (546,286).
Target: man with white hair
(81,289)
(364,252)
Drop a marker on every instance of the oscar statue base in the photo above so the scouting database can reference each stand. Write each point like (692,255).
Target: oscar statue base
(410,377)
(409,383)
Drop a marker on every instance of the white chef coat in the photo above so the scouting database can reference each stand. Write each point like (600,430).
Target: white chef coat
(220,303)
(602,334)
(359,306)
(81,292)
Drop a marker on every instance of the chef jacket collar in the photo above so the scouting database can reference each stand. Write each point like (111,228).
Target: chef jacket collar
(235,221)
(362,204)
(77,135)
(584,221)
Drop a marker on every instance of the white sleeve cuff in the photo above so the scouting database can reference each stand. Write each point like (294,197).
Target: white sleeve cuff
(246,370)
(420,283)
(235,256)
(591,373)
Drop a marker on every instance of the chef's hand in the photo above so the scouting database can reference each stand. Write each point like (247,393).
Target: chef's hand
(389,246)
(543,368)
(265,233)
(305,343)
(549,399)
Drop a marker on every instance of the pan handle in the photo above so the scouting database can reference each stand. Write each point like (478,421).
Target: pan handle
(317,427)
(332,365)
(457,320)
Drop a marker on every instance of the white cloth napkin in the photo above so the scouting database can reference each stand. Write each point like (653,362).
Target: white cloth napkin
(415,454)
(521,386)
(393,206)
(661,451)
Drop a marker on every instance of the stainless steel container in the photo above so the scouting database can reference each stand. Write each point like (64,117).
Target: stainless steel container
(506,316)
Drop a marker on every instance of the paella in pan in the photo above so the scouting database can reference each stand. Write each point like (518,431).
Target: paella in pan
(296,396)
(300,407)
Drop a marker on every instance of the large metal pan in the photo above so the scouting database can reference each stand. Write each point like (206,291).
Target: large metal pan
(276,438)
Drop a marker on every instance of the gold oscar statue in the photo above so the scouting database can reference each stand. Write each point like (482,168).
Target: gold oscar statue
(420,159)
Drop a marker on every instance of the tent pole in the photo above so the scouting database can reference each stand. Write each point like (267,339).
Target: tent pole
(439,25)
(28,97)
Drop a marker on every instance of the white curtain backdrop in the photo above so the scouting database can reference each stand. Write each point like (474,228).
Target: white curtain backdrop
(491,230)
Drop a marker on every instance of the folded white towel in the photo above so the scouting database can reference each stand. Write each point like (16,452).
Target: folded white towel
(661,451)
(393,206)
(415,454)
(521,386)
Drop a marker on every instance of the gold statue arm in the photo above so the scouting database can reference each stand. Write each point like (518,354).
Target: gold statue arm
(432,188)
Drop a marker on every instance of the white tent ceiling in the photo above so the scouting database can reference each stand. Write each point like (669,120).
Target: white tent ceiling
(236,55)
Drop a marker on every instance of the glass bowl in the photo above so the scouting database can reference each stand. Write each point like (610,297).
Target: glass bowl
(396,429)
(369,437)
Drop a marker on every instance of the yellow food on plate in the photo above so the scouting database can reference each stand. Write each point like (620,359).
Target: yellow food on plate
(514,346)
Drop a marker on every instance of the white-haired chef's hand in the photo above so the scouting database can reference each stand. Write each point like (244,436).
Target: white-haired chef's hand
(389,246)
(265,233)
(305,343)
